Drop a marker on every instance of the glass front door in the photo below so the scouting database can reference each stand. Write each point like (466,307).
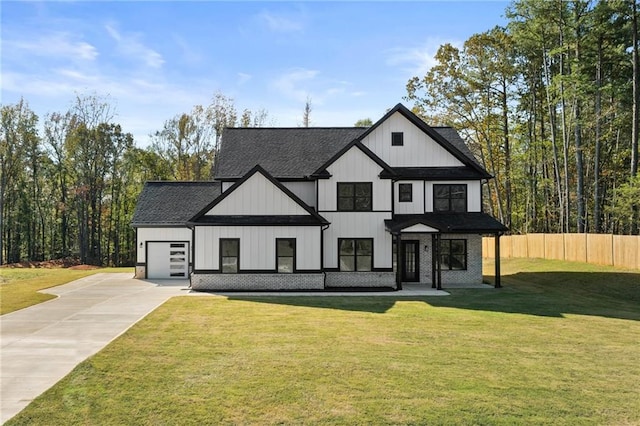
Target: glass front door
(410,261)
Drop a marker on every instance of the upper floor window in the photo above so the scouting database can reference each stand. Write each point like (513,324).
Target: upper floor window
(229,255)
(355,196)
(397,138)
(286,255)
(356,254)
(450,198)
(405,192)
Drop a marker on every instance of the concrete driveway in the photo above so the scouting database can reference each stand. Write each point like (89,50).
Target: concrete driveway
(43,343)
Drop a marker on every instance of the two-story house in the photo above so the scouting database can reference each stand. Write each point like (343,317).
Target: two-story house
(322,208)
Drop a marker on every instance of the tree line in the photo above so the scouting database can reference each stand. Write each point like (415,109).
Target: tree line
(69,189)
(549,104)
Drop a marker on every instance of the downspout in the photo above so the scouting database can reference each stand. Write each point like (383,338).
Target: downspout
(398,261)
(324,273)
(438,265)
(192,252)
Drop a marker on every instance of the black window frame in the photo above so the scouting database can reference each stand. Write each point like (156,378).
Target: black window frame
(353,197)
(397,138)
(355,254)
(406,199)
(449,256)
(221,255)
(451,201)
(279,256)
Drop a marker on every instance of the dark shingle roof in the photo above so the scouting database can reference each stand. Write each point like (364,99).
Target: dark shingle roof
(298,152)
(451,135)
(172,203)
(448,222)
(283,152)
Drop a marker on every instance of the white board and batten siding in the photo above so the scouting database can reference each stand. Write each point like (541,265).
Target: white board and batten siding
(257,196)
(354,166)
(416,206)
(257,246)
(159,234)
(474,191)
(305,190)
(418,150)
(358,225)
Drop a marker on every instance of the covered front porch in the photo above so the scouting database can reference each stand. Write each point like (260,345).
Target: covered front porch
(435,249)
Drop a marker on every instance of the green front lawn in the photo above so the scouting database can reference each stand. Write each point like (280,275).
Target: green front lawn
(19,286)
(558,345)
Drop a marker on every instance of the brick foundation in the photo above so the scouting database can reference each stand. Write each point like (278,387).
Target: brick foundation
(361,279)
(247,282)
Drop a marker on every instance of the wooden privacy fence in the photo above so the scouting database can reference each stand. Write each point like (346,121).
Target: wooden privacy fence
(601,249)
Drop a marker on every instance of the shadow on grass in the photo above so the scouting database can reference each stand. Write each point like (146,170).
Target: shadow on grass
(550,294)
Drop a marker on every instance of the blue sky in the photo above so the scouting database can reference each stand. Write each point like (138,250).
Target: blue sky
(157,59)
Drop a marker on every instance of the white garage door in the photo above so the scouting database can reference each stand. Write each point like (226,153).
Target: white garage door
(168,260)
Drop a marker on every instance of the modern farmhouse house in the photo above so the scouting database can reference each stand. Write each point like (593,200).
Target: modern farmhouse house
(322,208)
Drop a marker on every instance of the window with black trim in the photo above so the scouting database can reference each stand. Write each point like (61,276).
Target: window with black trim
(405,192)
(286,255)
(229,255)
(355,196)
(453,254)
(450,198)
(356,254)
(397,138)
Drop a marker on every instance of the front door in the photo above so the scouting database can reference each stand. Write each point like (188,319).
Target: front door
(410,261)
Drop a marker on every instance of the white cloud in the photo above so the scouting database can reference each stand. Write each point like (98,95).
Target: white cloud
(190,55)
(418,60)
(300,84)
(296,84)
(132,47)
(56,44)
(243,78)
(280,23)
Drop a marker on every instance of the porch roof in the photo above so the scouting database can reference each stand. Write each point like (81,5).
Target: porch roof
(447,222)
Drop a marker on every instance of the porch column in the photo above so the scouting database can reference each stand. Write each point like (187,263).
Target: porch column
(497,261)
(398,262)
(433,260)
(438,266)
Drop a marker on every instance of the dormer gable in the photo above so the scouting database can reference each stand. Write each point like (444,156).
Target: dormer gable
(257,194)
(350,149)
(401,139)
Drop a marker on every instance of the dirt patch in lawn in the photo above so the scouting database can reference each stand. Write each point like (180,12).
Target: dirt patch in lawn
(67,262)
(83,267)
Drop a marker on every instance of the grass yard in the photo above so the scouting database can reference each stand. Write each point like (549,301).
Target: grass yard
(559,344)
(19,286)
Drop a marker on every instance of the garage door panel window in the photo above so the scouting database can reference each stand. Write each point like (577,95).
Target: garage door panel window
(229,256)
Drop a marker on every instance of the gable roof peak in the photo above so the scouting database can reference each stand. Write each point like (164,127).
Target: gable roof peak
(455,147)
(259,169)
